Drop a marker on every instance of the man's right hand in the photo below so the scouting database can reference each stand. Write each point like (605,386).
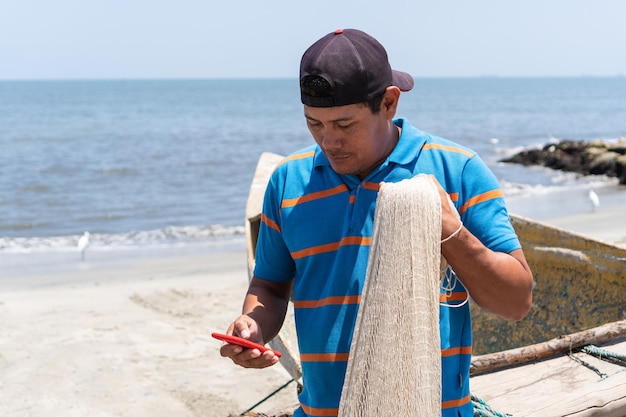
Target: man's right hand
(246,327)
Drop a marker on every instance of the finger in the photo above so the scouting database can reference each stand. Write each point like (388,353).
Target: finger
(253,358)
(244,327)
(229,351)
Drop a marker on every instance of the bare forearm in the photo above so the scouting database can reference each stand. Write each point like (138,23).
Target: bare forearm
(498,282)
(267,303)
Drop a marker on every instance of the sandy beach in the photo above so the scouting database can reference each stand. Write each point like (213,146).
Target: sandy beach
(132,338)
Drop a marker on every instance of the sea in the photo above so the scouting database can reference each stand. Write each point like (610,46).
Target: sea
(164,166)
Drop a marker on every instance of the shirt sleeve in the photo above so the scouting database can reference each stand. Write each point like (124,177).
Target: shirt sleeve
(483,209)
(273,259)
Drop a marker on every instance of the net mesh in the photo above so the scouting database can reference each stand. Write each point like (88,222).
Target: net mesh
(394,367)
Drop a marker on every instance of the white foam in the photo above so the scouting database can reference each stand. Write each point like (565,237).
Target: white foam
(170,236)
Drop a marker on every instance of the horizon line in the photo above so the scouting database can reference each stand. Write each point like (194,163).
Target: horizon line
(269,78)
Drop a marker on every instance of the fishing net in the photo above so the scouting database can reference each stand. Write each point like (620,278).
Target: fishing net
(394,368)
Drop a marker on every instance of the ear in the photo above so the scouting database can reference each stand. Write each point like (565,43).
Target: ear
(389,105)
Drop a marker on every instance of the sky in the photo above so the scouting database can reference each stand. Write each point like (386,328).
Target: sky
(131,39)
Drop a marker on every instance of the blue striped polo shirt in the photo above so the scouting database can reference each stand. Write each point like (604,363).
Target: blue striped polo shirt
(316,228)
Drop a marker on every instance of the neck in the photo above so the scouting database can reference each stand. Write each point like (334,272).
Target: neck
(394,137)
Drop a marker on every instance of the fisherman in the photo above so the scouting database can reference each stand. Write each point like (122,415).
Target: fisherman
(317,219)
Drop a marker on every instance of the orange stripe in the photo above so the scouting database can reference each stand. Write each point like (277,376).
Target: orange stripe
(324,357)
(328,301)
(352,199)
(480,198)
(454,196)
(456,403)
(332,412)
(371,185)
(342,357)
(270,223)
(447,148)
(297,156)
(290,202)
(319,412)
(330,247)
(461,350)
(455,296)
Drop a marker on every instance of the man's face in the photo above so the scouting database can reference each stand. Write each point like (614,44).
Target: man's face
(354,139)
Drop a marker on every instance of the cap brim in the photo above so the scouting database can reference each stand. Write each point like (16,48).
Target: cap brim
(402,80)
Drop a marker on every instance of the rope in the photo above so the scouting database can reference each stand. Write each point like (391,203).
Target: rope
(276,391)
(587,365)
(605,355)
(482,409)
(602,354)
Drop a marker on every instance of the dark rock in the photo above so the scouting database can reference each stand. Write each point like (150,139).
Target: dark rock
(619,147)
(583,157)
(620,168)
(603,163)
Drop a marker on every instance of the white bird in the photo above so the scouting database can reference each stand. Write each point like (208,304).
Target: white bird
(83,242)
(595,200)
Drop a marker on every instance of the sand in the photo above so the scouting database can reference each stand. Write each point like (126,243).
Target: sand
(605,224)
(132,337)
(131,340)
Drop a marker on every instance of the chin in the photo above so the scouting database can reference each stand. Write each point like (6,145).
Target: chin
(342,170)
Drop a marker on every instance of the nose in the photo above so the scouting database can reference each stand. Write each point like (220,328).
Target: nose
(331,141)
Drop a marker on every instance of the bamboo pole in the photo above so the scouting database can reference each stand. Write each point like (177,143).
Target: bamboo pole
(559,345)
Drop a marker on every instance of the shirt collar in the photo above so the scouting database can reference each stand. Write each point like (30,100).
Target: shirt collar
(410,142)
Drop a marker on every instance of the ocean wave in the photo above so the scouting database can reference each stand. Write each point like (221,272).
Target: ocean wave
(560,181)
(169,236)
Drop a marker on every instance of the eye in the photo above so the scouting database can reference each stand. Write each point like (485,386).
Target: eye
(345,126)
(313,123)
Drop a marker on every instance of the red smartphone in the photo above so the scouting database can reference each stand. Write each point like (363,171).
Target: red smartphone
(234,340)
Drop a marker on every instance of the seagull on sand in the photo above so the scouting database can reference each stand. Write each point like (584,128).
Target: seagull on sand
(595,200)
(83,242)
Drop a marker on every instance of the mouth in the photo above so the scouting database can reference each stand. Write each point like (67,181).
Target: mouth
(337,157)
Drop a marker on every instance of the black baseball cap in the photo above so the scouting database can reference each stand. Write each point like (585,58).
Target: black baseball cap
(347,66)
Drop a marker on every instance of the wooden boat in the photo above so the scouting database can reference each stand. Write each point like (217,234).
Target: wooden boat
(539,366)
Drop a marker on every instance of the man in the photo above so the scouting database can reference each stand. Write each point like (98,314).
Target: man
(317,226)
